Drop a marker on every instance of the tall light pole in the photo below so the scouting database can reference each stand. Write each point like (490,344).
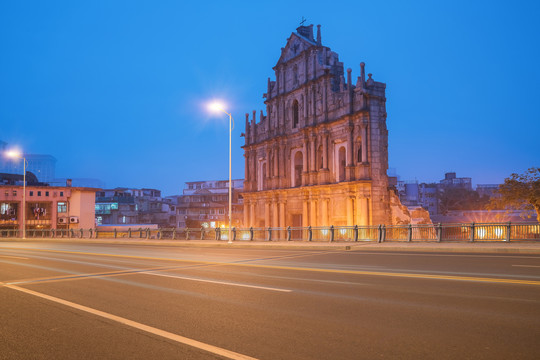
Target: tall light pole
(14,154)
(219,107)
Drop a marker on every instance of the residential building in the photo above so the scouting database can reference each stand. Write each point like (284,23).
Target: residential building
(123,206)
(46,207)
(206,203)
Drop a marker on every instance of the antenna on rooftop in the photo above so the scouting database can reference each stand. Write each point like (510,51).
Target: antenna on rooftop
(303,21)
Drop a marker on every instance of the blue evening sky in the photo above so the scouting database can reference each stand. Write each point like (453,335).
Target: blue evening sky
(114,89)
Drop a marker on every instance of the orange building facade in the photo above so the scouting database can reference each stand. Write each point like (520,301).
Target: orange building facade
(47,207)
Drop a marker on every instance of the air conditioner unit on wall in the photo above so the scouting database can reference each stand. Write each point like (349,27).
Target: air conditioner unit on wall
(73,219)
(62,220)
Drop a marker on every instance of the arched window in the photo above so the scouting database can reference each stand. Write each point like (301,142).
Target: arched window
(295,113)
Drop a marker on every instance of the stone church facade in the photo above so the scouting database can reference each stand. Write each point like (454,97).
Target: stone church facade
(320,154)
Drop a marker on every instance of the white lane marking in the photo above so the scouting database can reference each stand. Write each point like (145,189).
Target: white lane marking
(533,266)
(181,339)
(217,282)
(13,257)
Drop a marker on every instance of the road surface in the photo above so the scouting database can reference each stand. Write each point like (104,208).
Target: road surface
(106,301)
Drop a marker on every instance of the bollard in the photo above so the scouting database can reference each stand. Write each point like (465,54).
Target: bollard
(147,233)
(129,233)
(508,231)
(310,233)
(288,233)
(439,232)
(355,233)
(331,233)
(251,233)
(269,234)
(409,233)
(471,238)
(234,234)
(115,233)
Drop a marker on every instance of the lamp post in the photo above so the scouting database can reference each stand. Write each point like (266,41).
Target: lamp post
(219,107)
(14,154)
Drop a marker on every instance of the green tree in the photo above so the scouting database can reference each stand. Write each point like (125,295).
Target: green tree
(520,191)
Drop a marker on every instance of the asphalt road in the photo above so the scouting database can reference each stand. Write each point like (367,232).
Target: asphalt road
(99,301)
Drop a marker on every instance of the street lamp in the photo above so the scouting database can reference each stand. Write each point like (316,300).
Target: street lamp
(216,107)
(14,154)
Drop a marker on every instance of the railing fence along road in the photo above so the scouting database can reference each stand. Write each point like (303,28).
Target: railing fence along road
(382,233)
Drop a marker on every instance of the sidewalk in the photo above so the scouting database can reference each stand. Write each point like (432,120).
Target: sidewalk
(445,247)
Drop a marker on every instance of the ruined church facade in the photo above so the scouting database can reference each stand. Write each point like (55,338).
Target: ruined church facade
(319,156)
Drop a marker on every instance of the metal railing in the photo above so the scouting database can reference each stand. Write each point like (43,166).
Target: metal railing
(473,232)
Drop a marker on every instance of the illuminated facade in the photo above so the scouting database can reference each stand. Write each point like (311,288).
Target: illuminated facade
(320,154)
(47,207)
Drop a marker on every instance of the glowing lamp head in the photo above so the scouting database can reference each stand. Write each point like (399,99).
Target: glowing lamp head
(13,154)
(216,106)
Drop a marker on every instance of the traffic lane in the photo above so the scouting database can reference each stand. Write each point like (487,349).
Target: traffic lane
(462,265)
(317,322)
(504,266)
(33,328)
(164,252)
(37,265)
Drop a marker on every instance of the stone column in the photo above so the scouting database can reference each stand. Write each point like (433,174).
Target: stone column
(350,150)
(313,213)
(252,207)
(350,211)
(325,95)
(275,215)
(325,151)
(276,161)
(313,151)
(254,170)
(314,64)
(267,168)
(324,213)
(305,162)
(364,212)
(246,213)
(267,214)
(364,144)
(247,173)
(305,219)
(282,214)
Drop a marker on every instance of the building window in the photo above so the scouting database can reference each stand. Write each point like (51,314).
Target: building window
(31,193)
(7,193)
(61,193)
(46,193)
(62,207)
(39,193)
(14,192)
(295,113)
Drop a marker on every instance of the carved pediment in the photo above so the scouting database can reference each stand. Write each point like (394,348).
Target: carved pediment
(295,46)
